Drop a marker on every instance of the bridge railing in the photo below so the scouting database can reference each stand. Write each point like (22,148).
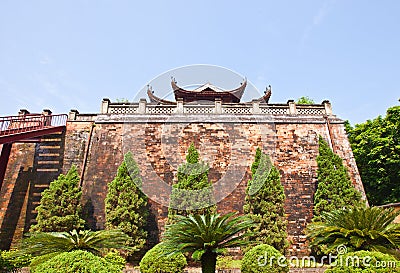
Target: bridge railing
(30,122)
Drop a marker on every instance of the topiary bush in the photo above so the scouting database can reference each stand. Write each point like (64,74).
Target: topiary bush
(77,261)
(365,262)
(154,261)
(264,258)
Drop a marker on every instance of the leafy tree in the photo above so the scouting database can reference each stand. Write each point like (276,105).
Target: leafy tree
(193,193)
(376,148)
(206,236)
(361,228)
(122,100)
(60,208)
(305,100)
(265,203)
(335,189)
(77,261)
(46,245)
(126,205)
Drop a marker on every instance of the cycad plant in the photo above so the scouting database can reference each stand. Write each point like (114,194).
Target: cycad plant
(360,228)
(52,243)
(206,236)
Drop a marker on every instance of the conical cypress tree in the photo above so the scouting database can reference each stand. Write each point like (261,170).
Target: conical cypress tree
(60,208)
(265,203)
(335,189)
(193,193)
(126,205)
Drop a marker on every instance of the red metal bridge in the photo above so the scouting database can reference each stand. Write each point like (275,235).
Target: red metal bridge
(26,128)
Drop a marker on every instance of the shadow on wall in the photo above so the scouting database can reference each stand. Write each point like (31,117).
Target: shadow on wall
(31,181)
(15,208)
(88,215)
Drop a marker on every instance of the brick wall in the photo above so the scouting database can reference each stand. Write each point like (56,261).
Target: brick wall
(31,168)
(159,147)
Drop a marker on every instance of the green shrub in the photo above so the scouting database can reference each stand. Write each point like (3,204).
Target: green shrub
(11,262)
(77,261)
(115,258)
(264,258)
(154,261)
(365,262)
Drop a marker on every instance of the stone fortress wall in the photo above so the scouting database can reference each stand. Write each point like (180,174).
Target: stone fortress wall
(226,136)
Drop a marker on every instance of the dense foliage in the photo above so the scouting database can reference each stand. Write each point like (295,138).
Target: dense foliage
(376,148)
(305,100)
(60,208)
(265,203)
(49,244)
(77,261)
(126,205)
(335,189)
(227,262)
(115,258)
(358,229)
(206,236)
(155,260)
(264,259)
(193,193)
(10,261)
(365,262)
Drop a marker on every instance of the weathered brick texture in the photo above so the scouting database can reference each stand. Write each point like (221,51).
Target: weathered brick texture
(30,170)
(159,148)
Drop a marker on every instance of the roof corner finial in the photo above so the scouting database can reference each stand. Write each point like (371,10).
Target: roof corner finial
(268,89)
(173,79)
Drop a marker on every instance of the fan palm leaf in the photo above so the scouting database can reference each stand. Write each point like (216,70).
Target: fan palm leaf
(358,228)
(206,236)
(45,243)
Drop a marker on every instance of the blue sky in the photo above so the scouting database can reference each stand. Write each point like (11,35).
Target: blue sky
(66,55)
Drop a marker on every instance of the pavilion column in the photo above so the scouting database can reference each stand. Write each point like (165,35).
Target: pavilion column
(328,107)
(104,106)
(292,107)
(218,106)
(179,106)
(142,106)
(256,107)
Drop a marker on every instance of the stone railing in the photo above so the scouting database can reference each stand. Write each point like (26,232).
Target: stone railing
(252,108)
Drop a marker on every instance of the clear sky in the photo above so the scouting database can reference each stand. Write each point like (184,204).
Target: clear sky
(66,54)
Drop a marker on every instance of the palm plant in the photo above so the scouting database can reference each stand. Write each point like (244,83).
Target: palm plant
(360,228)
(48,244)
(206,236)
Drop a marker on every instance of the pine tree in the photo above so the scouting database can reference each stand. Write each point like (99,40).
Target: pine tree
(126,206)
(60,208)
(335,189)
(265,203)
(193,193)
